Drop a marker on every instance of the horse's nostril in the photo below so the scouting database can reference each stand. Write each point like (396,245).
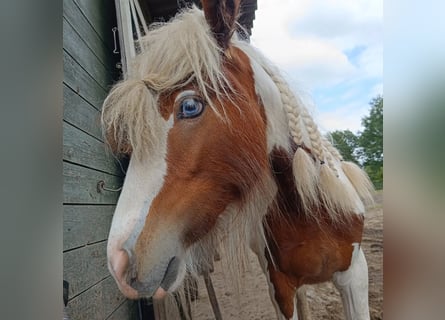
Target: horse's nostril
(120,264)
(124,273)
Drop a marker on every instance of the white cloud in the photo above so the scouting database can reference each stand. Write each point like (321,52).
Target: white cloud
(310,40)
(371,62)
(343,22)
(347,117)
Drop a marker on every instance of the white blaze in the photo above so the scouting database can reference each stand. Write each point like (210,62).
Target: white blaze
(143,181)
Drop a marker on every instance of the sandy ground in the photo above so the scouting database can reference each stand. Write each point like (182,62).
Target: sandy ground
(324,300)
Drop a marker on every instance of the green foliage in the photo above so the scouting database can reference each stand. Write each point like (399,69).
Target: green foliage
(365,148)
(371,139)
(346,142)
(371,142)
(376,175)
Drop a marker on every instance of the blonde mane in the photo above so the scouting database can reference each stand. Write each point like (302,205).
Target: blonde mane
(173,54)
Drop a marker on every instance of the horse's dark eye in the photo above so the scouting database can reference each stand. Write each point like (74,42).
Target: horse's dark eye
(190,108)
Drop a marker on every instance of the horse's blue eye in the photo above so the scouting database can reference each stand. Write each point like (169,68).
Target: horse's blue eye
(190,108)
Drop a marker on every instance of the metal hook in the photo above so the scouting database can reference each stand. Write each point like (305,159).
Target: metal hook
(101,187)
(115,42)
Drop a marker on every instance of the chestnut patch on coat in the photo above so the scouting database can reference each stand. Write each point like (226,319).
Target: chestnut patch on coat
(306,250)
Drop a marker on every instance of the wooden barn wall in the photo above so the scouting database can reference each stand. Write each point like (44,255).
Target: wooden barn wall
(89,70)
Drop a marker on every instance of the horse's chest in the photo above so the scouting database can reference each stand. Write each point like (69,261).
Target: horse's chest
(308,253)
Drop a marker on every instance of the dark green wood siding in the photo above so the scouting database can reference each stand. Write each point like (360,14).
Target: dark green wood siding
(89,71)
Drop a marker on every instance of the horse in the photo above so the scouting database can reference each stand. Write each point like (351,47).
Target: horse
(222,150)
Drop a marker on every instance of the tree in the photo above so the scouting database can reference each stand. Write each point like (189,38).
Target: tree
(346,142)
(365,148)
(370,142)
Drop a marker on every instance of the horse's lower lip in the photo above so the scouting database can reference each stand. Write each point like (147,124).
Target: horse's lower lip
(160,290)
(142,289)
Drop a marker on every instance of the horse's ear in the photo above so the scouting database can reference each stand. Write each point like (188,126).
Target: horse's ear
(221,15)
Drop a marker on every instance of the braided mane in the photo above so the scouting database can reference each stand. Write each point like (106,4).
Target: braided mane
(322,177)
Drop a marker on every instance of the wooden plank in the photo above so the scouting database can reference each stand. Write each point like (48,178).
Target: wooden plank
(83,149)
(81,82)
(97,35)
(79,51)
(80,113)
(101,14)
(128,310)
(83,225)
(96,303)
(80,185)
(112,300)
(84,267)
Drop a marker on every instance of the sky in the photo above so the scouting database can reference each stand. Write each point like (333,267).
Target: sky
(331,51)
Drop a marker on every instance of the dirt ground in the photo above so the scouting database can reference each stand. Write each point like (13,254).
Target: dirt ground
(324,300)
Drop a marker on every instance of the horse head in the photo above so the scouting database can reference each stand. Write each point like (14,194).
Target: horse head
(193,124)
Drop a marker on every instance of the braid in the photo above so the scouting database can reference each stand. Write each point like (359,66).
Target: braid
(290,103)
(298,115)
(330,161)
(314,135)
(291,106)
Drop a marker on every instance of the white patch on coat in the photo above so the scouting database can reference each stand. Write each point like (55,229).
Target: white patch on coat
(277,123)
(353,286)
